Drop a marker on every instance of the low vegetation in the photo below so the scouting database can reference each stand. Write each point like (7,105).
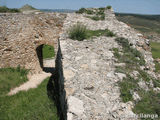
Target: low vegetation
(31,105)
(96,17)
(80,32)
(149,102)
(10,78)
(109,7)
(155,48)
(94,13)
(4,9)
(48,51)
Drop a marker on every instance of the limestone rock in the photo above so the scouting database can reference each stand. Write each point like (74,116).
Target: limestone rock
(75,106)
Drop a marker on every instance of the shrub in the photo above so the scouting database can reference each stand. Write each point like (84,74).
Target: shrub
(14,10)
(89,12)
(81,10)
(78,32)
(110,34)
(101,9)
(108,7)
(100,12)
(96,18)
(4,9)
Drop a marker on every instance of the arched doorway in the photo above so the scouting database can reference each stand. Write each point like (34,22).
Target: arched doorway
(46,55)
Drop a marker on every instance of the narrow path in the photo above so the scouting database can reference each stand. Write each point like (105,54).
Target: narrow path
(34,80)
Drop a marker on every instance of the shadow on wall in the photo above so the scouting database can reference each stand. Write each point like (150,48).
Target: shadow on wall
(40,55)
(39,51)
(55,87)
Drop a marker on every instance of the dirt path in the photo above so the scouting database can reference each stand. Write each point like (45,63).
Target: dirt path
(34,80)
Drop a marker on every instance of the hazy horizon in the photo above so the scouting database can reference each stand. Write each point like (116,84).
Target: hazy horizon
(120,6)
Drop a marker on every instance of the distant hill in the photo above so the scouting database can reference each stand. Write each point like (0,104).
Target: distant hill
(58,10)
(27,8)
(149,25)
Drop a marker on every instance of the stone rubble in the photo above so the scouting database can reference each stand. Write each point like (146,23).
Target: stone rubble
(89,70)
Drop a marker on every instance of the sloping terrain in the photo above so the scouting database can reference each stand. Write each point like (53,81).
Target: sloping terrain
(149,25)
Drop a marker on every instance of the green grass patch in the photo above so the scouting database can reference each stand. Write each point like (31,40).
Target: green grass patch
(31,105)
(157,66)
(155,48)
(98,33)
(11,78)
(4,9)
(80,32)
(131,56)
(96,17)
(48,51)
(149,103)
(126,87)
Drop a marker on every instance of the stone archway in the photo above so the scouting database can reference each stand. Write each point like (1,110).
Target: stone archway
(45,54)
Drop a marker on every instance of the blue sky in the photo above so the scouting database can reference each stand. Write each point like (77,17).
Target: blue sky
(125,6)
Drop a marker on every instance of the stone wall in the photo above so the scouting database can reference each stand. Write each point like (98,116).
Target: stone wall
(55,87)
(22,34)
(59,85)
(90,79)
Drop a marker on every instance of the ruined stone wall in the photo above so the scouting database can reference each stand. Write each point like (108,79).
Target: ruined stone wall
(90,79)
(59,86)
(22,34)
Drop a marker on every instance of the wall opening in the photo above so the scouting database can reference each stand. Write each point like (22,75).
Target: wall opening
(46,56)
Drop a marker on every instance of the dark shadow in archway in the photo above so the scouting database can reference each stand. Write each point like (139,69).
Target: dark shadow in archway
(40,55)
(39,51)
(49,69)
